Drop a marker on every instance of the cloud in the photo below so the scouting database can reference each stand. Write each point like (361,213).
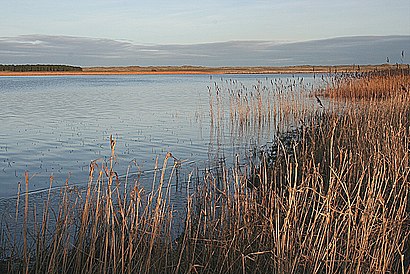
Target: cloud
(85,51)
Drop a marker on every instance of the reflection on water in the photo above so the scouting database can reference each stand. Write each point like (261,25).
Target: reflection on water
(58,125)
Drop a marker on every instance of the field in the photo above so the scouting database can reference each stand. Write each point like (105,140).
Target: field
(210,70)
(331,196)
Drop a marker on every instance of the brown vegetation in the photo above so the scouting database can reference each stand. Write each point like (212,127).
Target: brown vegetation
(332,199)
(210,70)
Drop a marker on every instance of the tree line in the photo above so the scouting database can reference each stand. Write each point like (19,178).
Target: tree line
(26,68)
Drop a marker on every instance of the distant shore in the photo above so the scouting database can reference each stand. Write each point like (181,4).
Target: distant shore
(158,70)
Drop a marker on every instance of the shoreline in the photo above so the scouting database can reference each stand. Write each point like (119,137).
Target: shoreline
(193,70)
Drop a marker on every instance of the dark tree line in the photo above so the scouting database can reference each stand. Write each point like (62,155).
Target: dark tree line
(26,68)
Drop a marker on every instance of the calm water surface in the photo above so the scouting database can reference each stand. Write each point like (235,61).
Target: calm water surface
(58,125)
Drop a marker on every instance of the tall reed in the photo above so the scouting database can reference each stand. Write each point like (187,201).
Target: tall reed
(329,197)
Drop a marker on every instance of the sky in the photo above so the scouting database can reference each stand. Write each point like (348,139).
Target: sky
(160,23)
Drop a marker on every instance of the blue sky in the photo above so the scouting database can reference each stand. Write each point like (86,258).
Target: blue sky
(199,21)
(159,22)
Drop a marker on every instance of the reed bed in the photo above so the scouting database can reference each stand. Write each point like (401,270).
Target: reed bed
(380,85)
(262,110)
(332,197)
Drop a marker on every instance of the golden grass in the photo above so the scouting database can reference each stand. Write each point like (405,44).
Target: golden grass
(147,70)
(369,86)
(332,199)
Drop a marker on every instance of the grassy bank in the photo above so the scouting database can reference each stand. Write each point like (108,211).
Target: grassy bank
(211,70)
(331,198)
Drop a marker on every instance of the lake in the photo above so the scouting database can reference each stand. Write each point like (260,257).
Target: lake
(57,125)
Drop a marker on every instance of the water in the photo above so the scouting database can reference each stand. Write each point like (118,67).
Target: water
(56,125)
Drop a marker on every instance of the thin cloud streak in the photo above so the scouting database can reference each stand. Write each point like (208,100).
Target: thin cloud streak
(84,51)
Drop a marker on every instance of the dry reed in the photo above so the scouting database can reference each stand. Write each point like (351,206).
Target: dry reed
(334,198)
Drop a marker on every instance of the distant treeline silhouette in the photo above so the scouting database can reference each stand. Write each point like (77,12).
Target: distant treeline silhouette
(26,68)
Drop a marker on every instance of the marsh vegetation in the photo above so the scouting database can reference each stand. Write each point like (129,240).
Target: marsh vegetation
(330,194)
